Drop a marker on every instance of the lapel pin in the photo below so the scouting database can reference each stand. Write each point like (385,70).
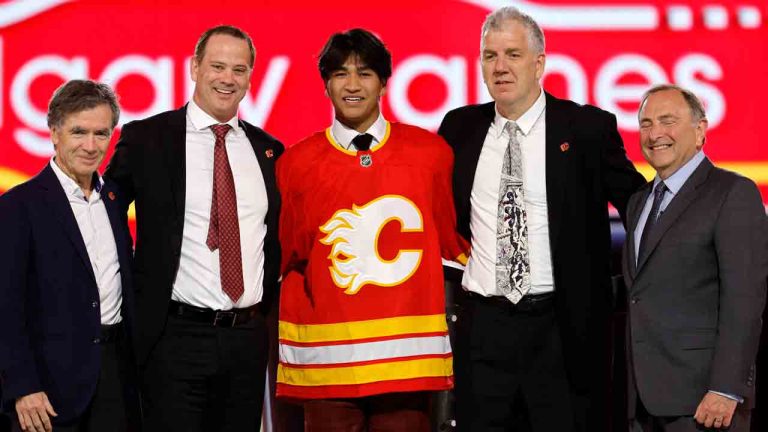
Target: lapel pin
(269,153)
(111,195)
(564,147)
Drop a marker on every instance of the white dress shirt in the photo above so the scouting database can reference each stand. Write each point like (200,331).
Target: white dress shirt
(480,274)
(344,135)
(198,281)
(93,221)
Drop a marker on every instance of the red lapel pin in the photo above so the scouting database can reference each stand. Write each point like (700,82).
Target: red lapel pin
(269,153)
(564,147)
(111,195)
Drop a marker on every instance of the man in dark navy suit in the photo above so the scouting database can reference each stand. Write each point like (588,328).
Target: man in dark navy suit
(66,291)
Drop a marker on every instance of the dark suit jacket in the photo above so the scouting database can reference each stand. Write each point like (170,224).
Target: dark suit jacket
(581,178)
(696,298)
(49,312)
(149,166)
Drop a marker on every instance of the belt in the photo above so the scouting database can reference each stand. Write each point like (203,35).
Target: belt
(529,302)
(111,333)
(215,318)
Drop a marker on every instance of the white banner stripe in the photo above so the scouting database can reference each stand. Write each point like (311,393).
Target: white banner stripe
(365,351)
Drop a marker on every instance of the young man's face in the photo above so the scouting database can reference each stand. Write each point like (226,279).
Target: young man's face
(355,91)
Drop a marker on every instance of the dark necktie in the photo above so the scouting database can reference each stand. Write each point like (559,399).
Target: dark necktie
(224,227)
(362,142)
(658,197)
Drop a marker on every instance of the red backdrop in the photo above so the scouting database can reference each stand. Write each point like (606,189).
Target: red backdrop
(603,53)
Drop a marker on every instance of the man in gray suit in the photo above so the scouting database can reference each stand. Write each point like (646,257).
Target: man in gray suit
(695,265)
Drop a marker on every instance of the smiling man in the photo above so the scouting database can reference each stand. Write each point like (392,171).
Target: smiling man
(207,257)
(533,178)
(695,265)
(65,266)
(367,217)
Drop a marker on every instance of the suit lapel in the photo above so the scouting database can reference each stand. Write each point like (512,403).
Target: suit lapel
(57,201)
(266,159)
(122,243)
(676,207)
(634,209)
(175,135)
(467,156)
(109,197)
(558,132)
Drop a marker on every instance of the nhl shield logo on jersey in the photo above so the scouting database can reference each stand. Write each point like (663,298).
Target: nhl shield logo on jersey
(354,235)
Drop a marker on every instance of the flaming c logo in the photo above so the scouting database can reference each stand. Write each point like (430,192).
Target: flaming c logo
(354,236)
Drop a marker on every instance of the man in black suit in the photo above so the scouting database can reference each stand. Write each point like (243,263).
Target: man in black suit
(532,180)
(207,255)
(67,296)
(695,265)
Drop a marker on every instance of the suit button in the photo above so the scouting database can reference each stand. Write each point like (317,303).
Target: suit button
(95,304)
(96,340)
(634,300)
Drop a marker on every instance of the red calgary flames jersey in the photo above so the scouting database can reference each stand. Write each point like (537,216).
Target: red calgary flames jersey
(362,307)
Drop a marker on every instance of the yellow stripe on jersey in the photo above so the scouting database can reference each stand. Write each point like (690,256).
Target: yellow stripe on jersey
(350,375)
(347,331)
(338,146)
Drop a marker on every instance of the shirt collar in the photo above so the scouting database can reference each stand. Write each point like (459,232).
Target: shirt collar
(201,120)
(344,135)
(676,181)
(526,121)
(70,186)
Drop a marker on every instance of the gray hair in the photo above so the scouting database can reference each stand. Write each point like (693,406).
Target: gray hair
(496,19)
(697,108)
(80,95)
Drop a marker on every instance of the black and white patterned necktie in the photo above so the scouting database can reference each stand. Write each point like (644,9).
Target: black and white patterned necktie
(513,270)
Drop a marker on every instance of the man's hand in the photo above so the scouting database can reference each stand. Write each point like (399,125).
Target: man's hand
(715,411)
(33,411)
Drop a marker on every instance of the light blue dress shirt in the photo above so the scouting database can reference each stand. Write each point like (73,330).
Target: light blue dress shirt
(674,183)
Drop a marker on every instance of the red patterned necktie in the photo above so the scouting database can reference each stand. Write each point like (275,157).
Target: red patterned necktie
(224,228)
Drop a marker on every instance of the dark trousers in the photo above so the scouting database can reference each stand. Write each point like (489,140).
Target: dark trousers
(205,378)
(645,422)
(115,405)
(510,373)
(394,412)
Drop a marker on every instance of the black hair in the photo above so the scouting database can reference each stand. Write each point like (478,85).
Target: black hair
(360,43)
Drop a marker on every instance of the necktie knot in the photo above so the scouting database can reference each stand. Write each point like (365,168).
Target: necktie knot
(220,131)
(660,189)
(362,142)
(511,128)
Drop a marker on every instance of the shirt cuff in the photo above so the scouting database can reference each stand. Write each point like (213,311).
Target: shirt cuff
(738,399)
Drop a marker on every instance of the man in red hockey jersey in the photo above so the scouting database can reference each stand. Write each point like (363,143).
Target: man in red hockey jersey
(367,216)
